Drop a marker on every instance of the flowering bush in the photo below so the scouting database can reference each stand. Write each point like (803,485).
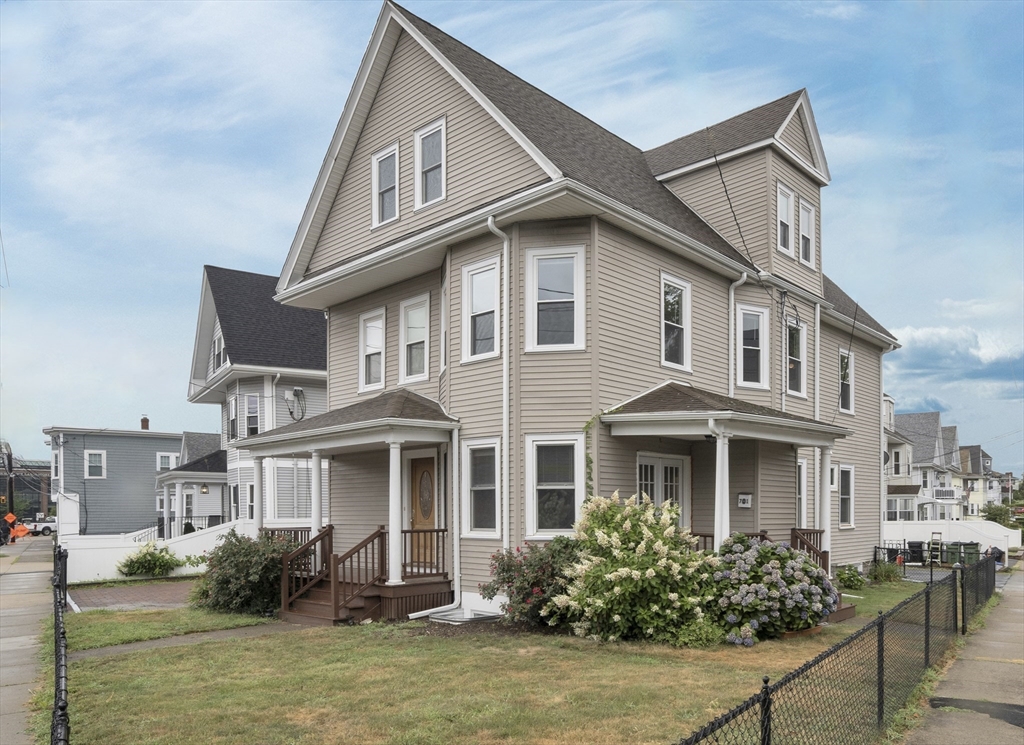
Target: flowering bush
(765,588)
(529,578)
(637,575)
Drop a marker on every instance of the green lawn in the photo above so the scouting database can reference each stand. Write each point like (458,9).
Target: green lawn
(880,597)
(105,628)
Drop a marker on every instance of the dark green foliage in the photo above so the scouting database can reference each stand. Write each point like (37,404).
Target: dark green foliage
(189,528)
(849,578)
(150,561)
(529,578)
(243,575)
(883,571)
(699,634)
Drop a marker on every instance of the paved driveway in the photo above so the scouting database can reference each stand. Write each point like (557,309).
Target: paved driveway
(141,596)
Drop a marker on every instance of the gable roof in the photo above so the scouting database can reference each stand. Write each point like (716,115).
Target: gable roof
(215,462)
(924,430)
(259,331)
(847,306)
(197,444)
(950,448)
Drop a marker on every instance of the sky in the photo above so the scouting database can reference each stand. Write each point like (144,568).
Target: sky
(140,141)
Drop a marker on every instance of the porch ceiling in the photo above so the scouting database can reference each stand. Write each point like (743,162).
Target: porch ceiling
(675,409)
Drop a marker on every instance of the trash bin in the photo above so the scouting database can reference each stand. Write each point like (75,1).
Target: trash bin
(891,554)
(952,553)
(971,553)
(916,549)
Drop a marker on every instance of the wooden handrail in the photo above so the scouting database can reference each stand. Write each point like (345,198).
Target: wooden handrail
(424,553)
(306,565)
(358,568)
(809,540)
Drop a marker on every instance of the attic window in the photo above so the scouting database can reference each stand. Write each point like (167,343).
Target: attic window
(219,358)
(430,164)
(385,185)
(785,216)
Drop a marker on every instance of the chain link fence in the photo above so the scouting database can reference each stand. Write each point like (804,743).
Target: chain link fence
(60,725)
(850,693)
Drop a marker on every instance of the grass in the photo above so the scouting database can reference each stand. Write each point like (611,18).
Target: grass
(106,628)
(880,596)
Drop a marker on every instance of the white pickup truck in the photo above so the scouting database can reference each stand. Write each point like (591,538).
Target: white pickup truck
(46,526)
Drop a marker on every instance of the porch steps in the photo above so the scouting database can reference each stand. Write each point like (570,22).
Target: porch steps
(844,612)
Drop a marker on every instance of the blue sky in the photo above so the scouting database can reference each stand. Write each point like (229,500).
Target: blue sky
(139,141)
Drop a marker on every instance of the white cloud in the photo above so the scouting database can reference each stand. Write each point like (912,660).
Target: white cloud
(838,10)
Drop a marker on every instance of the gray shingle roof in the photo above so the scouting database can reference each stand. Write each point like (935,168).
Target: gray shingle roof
(258,330)
(743,129)
(395,404)
(903,489)
(846,305)
(579,148)
(197,444)
(676,397)
(950,447)
(923,431)
(215,462)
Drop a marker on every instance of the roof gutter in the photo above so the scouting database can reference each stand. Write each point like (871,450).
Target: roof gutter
(507,293)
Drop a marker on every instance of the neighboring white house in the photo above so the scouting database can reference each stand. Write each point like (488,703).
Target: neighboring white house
(934,465)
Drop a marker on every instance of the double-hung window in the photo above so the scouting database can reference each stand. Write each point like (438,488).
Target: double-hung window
(924,478)
(896,462)
(385,185)
(414,340)
(95,464)
(892,512)
(807,233)
(752,347)
(55,467)
(796,343)
(189,501)
(784,202)
(371,350)
(846,495)
(555,289)
(554,483)
(481,486)
(219,358)
(675,322)
(232,418)
(252,415)
(430,164)
(846,381)
(251,502)
(166,461)
(480,338)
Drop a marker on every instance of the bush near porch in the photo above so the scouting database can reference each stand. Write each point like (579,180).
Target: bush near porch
(243,575)
(632,574)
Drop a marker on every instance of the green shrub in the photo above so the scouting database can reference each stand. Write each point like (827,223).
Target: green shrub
(883,571)
(243,575)
(849,578)
(763,589)
(637,575)
(150,561)
(529,578)
(699,634)
(189,528)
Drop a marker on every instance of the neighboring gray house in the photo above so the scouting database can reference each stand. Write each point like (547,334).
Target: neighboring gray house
(935,466)
(523,309)
(265,365)
(104,480)
(195,492)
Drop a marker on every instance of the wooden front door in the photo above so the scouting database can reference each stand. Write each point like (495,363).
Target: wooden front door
(423,511)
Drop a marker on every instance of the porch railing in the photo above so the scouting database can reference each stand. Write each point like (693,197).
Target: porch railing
(809,540)
(306,565)
(179,525)
(706,541)
(424,553)
(295,535)
(358,568)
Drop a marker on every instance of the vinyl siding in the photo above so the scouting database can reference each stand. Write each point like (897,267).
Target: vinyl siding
(315,393)
(216,333)
(359,496)
(777,488)
(483,161)
(782,265)
(742,479)
(747,180)
(752,294)
(795,135)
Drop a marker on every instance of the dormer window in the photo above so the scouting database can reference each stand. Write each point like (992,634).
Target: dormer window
(219,358)
(807,234)
(785,202)
(385,185)
(430,164)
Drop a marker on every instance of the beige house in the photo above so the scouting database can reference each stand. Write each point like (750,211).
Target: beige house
(523,309)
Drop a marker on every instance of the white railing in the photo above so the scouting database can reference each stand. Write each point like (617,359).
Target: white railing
(941,492)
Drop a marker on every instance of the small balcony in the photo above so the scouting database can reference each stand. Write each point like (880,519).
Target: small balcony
(947,493)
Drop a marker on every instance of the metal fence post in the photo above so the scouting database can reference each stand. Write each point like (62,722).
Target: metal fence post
(766,713)
(881,669)
(931,570)
(958,567)
(927,626)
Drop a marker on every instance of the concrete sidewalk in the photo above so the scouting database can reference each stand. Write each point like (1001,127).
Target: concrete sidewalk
(981,698)
(26,600)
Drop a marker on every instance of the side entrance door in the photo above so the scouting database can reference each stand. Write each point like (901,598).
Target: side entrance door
(423,511)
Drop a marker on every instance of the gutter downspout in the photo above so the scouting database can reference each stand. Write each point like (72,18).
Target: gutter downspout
(817,409)
(505,464)
(783,351)
(732,332)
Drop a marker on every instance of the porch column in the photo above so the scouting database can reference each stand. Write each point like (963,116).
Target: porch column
(257,492)
(721,490)
(395,514)
(167,511)
(315,512)
(179,506)
(823,513)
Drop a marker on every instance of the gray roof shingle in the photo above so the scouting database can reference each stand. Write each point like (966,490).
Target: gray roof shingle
(950,447)
(215,462)
(258,330)
(743,129)
(905,490)
(923,431)
(849,307)
(197,444)
(581,149)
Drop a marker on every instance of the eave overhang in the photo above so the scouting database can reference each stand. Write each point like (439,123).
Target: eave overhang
(214,390)
(354,436)
(191,477)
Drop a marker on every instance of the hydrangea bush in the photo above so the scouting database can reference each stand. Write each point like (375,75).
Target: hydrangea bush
(638,576)
(764,588)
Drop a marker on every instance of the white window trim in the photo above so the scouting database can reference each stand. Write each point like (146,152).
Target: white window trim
(801,484)
(434,126)
(687,289)
(579,469)
(578,254)
(403,377)
(232,416)
(443,344)
(805,208)
(173,460)
(685,495)
(467,309)
(833,478)
(259,428)
(103,463)
(793,323)
(897,462)
(781,190)
(849,354)
(160,502)
(218,346)
(853,491)
(765,384)
(481,443)
(250,501)
(363,318)
(391,149)
(55,464)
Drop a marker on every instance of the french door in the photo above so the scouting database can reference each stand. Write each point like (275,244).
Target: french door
(665,478)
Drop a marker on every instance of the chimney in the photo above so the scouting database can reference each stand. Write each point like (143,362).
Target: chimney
(145,422)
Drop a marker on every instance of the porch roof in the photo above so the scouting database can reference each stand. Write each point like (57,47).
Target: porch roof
(397,415)
(211,467)
(905,490)
(675,409)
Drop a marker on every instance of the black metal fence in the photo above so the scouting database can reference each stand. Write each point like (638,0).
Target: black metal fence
(176,526)
(60,725)
(851,692)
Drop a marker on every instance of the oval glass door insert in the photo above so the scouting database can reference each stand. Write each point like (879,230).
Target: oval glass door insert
(426,495)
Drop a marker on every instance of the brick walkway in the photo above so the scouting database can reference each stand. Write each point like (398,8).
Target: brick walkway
(152,595)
